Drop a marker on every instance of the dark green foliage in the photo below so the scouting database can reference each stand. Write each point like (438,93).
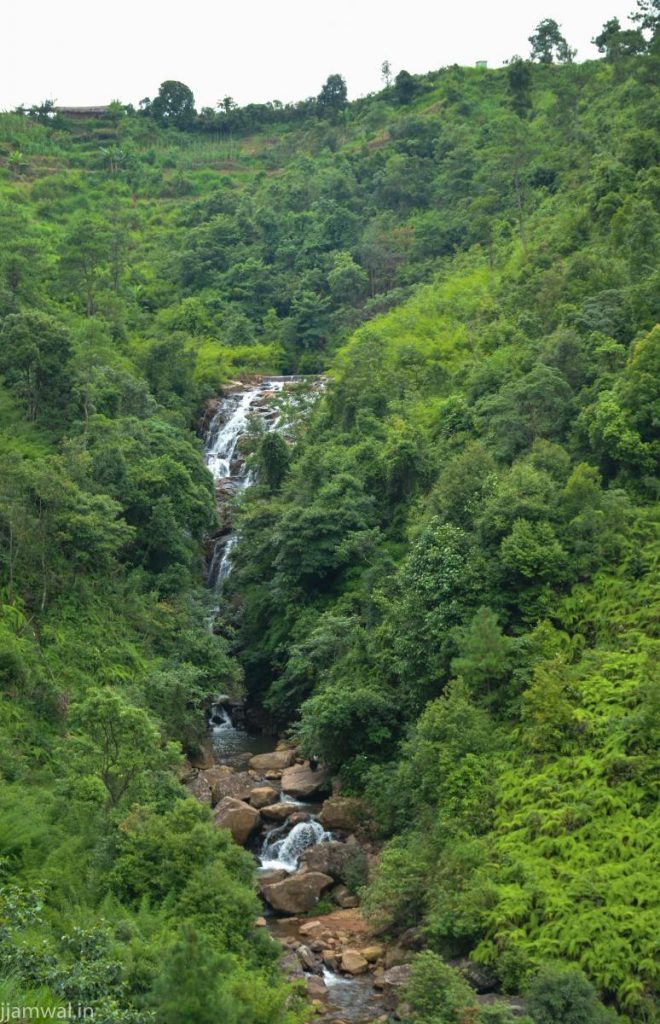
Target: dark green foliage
(565,996)
(447,577)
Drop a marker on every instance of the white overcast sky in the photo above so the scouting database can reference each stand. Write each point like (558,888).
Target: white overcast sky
(79,52)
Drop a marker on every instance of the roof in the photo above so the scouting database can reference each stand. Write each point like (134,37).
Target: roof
(87,111)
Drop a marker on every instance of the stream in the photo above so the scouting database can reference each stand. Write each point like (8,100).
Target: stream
(279,846)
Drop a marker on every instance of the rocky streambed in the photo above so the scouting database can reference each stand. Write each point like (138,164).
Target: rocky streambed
(312,850)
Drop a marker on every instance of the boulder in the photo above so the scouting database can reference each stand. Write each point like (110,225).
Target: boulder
(292,967)
(238,817)
(373,953)
(200,789)
(311,929)
(512,1005)
(300,781)
(276,761)
(278,812)
(316,988)
(260,922)
(344,863)
(476,976)
(270,878)
(397,956)
(396,977)
(298,893)
(261,796)
(238,785)
(353,962)
(341,812)
(299,817)
(308,960)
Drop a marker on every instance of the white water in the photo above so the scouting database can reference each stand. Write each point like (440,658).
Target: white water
(285,852)
(221,455)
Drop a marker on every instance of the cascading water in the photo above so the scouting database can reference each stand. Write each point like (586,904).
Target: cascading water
(222,457)
(284,851)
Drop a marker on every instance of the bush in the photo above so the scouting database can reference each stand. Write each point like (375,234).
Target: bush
(563,995)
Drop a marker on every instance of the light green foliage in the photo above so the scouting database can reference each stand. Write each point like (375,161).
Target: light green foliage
(447,580)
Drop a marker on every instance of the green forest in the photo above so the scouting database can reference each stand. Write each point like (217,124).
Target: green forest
(446,583)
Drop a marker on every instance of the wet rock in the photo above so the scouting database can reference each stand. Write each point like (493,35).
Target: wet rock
(278,812)
(299,818)
(261,796)
(300,781)
(341,812)
(316,988)
(353,962)
(276,761)
(238,817)
(298,893)
(330,959)
(337,859)
(308,960)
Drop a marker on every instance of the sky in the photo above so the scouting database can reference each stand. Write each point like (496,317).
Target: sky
(78,52)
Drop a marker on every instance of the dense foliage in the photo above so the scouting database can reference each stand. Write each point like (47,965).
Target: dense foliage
(447,580)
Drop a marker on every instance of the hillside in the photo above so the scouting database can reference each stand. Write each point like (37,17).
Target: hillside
(446,585)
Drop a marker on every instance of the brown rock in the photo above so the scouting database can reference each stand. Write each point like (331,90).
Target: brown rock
(299,817)
(311,928)
(239,785)
(278,812)
(341,861)
(341,812)
(260,922)
(353,962)
(200,789)
(300,781)
(261,796)
(298,893)
(270,878)
(238,817)
(316,988)
(396,977)
(273,762)
(373,953)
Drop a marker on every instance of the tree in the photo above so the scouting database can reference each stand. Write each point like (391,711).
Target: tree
(563,995)
(519,77)
(386,73)
(117,743)
(616,42)
(273,460)
(174,104)
(192,984)
(333,97)
(548,44)
(35,350)
(405,87)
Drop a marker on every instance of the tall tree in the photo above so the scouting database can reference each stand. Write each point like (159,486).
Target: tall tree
(549,45)
(174,104)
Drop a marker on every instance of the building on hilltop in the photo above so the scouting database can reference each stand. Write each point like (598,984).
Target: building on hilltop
(83,113)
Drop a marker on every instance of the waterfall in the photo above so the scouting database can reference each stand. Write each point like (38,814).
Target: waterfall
(224,461)
(285,852)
